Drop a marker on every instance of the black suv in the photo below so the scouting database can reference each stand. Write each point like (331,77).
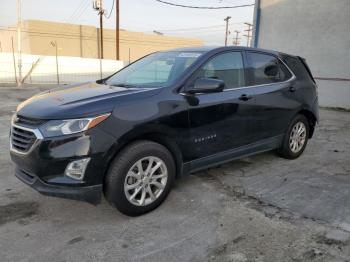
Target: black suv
(164,116)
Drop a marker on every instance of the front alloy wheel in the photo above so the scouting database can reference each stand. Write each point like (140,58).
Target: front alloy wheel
(145,181)
(140,177)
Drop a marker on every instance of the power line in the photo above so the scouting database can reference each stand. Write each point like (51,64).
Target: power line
(199,28)
(77,13)
(73,36)
(110,12)
(79,8)
(203,7)
(194,32)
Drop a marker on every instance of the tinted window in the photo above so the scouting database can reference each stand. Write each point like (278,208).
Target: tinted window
(298,68)
(266,69)
(155,70)
(227,67)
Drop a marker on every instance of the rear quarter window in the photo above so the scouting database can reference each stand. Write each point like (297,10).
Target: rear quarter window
(298,68)
(266,69)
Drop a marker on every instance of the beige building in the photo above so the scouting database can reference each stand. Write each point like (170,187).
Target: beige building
(38,38)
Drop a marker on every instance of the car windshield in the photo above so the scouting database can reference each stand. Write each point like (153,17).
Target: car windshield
(155,70)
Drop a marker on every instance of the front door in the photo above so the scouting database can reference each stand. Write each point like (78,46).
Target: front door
(221,121)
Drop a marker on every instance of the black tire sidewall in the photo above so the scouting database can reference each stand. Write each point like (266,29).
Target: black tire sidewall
(114,183)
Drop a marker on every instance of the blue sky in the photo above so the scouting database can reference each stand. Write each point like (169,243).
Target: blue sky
(140,15)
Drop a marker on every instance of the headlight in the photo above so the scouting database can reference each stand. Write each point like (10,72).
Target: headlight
(70,126)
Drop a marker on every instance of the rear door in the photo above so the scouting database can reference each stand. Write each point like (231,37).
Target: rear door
(221,121)
(275,94)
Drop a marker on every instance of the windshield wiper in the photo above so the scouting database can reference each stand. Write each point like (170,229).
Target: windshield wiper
(123,85)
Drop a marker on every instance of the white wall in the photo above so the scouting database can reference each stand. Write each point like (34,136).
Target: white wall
(317,30)
(71,69)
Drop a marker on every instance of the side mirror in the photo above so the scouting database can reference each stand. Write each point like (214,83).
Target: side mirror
(206,85)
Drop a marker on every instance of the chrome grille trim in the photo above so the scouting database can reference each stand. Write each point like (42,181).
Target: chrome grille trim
(23,139)
(26,121)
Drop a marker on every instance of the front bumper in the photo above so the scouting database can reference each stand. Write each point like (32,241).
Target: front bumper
(90,194)
(44,165)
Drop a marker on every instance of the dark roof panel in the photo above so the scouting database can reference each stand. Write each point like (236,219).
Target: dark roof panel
(194,49)
(221,48)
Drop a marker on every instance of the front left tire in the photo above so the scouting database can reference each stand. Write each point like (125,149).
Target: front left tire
(140,178)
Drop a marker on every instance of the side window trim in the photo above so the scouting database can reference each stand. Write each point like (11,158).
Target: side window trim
(246,66)
(290,71)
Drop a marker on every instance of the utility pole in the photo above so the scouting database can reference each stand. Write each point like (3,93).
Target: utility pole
(14,60)
(98,6)
(235,42)
(226,33)
(248,35)
(117,30)
(54,44)
(101,26)
(19,42)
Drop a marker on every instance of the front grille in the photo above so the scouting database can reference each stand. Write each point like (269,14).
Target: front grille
(28,121)
(22,139)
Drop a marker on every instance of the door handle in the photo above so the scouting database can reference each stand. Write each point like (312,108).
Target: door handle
(292,89)
(245,97)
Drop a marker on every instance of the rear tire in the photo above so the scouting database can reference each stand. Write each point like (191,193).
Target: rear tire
(296,138)
(140,178)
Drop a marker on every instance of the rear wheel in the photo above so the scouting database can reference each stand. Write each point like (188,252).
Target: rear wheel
(296,138)
(140,178)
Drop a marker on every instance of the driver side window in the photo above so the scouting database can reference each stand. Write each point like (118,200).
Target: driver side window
(227,67)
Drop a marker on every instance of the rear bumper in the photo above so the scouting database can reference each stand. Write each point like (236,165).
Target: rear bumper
(315,109)
(90,194)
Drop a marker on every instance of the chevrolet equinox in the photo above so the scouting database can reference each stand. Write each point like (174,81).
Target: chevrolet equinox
(129,136)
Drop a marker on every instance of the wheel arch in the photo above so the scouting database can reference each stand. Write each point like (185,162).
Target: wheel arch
(311,119)
(157,137)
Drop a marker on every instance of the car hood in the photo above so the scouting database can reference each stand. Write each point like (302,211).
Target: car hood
(80,100)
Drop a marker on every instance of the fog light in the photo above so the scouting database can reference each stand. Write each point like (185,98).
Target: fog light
(76,169)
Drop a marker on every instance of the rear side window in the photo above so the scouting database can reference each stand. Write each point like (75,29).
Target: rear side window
(227,67)
(298,68)
(266,69)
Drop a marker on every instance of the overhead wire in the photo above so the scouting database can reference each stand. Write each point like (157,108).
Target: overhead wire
(203,7)
(110,12)
(73,36)
(219,27)
(83,5)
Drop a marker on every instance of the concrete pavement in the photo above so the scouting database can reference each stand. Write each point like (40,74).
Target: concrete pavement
(262,208)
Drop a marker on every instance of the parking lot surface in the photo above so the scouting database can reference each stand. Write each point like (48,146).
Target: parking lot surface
(261,208)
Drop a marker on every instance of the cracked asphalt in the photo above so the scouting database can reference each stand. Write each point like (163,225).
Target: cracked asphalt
(261,208)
